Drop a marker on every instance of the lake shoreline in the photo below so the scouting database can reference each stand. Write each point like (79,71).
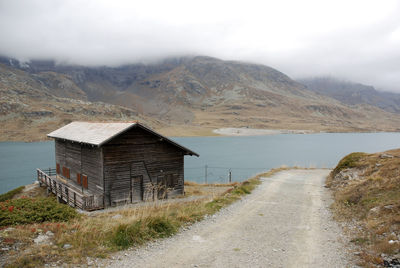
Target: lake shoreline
(231,131)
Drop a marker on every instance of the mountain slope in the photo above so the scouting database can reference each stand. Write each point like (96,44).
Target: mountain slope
(353,93)
(191,95)
(33,105)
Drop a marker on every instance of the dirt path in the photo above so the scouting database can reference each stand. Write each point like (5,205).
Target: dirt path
(285,222)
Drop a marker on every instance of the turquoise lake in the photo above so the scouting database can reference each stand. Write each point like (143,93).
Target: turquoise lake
(244,156)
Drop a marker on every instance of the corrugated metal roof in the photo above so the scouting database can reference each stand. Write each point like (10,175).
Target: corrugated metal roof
(100,133)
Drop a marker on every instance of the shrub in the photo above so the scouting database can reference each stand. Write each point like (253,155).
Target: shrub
(240,190)
(162,227)
(34,210)
(11,194)
(127,235)
(140,231)
(349,161)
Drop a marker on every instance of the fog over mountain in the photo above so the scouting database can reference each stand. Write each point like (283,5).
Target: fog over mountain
(352,93)
(355,40)
(183,96)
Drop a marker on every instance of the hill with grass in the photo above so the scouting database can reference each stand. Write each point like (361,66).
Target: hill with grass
(367,199)
(33,105)
(178,96)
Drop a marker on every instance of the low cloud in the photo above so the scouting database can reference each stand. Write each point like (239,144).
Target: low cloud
(355,40)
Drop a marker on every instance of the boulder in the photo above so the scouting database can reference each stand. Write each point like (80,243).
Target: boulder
(67,246)
(49,233)
(42,239)
(373,212)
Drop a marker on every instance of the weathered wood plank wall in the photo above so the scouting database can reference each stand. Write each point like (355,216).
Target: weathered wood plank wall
(82,159)
(139,153)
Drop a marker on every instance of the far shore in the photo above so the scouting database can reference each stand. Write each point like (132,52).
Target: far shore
(179,131)
(231,131)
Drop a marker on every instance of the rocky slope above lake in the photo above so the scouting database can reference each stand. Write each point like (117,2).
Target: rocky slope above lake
(33,105)
(179,96)
(353,93)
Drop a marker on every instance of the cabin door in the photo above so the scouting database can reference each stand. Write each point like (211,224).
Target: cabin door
(137,188)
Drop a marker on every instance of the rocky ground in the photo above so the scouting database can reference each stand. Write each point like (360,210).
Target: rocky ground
(188,96)
(285,222)
(366,190)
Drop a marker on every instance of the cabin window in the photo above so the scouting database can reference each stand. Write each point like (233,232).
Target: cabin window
(78,178)
(65,172)
(84,181)
(58,168)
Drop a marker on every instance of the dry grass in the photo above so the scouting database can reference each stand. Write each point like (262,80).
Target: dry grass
(371,201)
(103,233)
(191,183)
(186,131)
(216,189)
(207,190)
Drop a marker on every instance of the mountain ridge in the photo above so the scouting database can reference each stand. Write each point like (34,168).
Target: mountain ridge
(194,95)
(353,93)
(29,109)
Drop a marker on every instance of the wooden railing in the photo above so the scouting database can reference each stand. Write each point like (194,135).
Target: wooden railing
(67,194)
(50,171)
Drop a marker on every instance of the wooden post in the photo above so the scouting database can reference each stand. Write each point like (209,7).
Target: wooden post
(83,202)
(205,174)
(230,175)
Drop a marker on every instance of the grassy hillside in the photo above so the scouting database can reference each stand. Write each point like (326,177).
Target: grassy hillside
(367,198)
(31,107)
(179,97)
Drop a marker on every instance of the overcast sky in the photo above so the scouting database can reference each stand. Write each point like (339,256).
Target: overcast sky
(355,40)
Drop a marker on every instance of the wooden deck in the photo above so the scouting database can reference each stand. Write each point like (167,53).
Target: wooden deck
(68,193)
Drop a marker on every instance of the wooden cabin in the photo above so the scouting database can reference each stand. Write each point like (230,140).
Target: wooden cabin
(107,164)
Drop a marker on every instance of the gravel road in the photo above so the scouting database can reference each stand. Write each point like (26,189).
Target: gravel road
(285,222)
